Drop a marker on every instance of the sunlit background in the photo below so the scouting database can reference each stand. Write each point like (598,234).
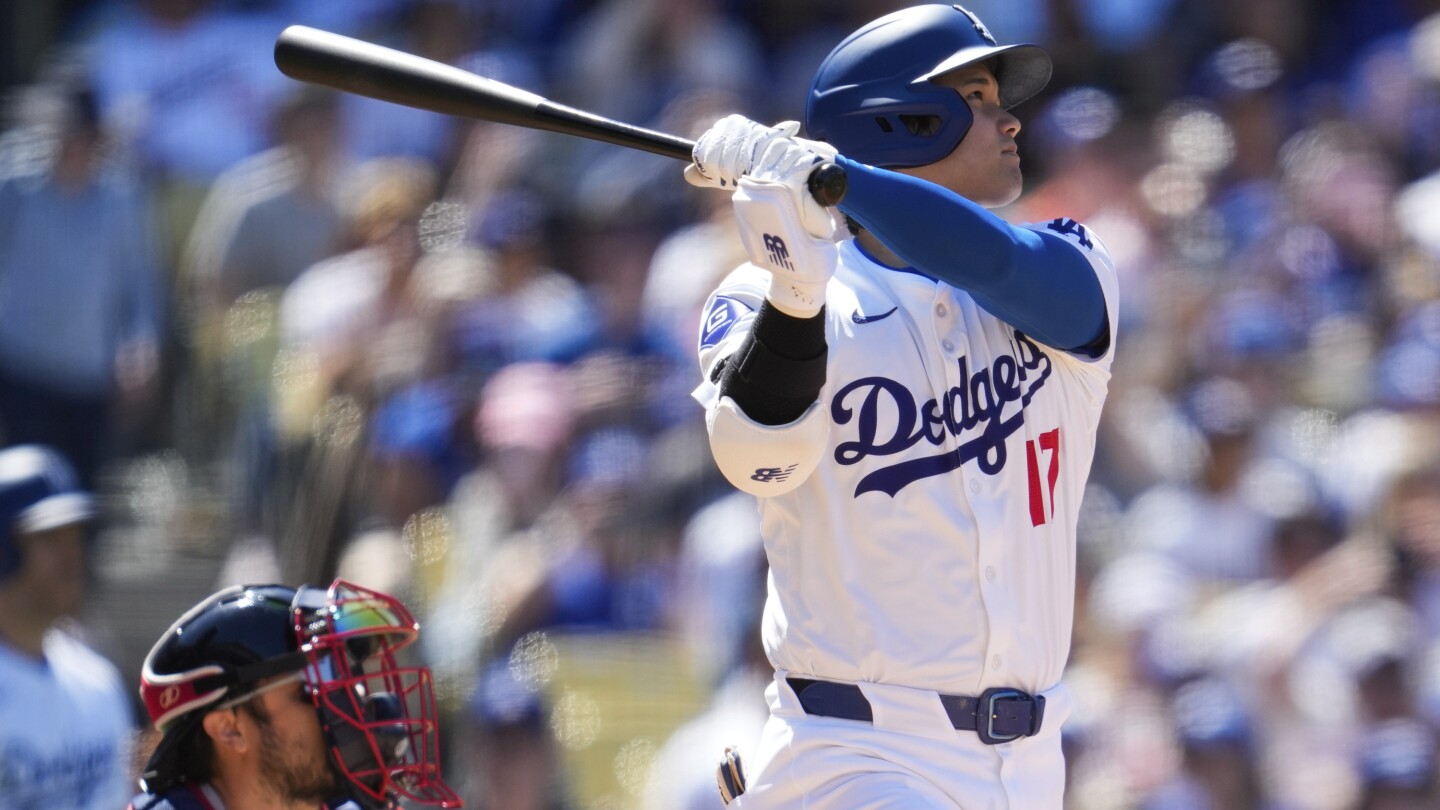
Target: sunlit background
(317,334)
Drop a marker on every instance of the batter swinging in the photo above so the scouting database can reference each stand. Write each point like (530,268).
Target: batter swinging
(913,397)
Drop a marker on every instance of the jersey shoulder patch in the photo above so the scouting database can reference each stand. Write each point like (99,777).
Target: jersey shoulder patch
(1077,234)
(1072,229)
(720,318)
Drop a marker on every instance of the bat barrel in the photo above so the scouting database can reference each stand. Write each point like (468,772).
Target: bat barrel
(367,69)
(332,60)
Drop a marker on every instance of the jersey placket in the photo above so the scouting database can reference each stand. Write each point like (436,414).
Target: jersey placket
(949,319)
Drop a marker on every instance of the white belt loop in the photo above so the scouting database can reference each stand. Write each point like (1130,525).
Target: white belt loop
(910,711)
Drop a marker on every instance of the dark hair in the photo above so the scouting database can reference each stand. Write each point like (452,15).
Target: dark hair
(195,759)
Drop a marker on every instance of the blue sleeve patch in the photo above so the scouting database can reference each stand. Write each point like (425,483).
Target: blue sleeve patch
(724,312)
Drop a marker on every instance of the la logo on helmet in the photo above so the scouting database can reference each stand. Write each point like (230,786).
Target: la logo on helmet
(169,697)
(979,26)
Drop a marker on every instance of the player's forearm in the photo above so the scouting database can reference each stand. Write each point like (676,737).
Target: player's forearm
(779,369)
(1038,284)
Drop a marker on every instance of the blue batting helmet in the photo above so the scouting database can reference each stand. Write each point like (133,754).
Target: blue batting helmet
(873,98)
(38,491)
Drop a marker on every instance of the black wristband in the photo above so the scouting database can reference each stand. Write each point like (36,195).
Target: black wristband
(779,369)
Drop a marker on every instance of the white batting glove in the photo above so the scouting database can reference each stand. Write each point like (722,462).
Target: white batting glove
(728,150)
(785,231)
(790,161)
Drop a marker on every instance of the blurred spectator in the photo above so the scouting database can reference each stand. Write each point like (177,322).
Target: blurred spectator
(515,760)
(1218,768)
(503,515)
(416,446)
(435,29)
(190,87)
(531,311)
(1410,517)
(367,291)
(79,303)
(270,217)
(1398,767)
(354,330)
(264,221)
(495,157)
(597,571)
(605,574)
(629,58)
(64,714)
(1207,524)
(351,17)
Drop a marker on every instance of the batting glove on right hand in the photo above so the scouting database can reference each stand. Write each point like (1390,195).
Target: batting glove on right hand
(789,162)
(730,149)
(785,231)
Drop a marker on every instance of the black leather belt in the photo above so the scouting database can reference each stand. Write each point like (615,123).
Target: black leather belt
(999,715)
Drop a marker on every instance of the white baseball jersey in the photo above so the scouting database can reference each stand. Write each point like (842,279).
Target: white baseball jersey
(933,546)
(64,729)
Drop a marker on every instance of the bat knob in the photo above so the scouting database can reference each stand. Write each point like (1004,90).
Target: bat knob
(828,184)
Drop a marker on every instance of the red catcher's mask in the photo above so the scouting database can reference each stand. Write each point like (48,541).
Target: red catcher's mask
(379,717)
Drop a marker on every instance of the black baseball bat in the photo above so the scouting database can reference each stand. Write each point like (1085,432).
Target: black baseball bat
(367,69)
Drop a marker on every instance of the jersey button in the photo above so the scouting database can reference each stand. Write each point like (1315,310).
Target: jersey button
(941,311)
(949,346)
(995,662)
(990,572)
(974,485)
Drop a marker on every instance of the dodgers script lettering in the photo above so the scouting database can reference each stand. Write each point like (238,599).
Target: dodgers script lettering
(975,408)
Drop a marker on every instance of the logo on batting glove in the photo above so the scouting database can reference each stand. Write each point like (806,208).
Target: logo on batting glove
(779,254)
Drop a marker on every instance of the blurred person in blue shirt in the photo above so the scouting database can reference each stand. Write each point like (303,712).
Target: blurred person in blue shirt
(79,304)
(1218,752)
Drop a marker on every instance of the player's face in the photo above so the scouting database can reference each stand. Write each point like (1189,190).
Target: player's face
(293,758)
(985,167)
(53,574)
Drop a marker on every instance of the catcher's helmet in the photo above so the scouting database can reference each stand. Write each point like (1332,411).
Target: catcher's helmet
(873,94)
(379,718)
(38,491)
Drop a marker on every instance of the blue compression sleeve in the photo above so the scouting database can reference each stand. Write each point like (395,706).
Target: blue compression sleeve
(1036,282)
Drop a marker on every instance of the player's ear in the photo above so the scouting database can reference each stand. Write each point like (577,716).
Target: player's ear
(224,729)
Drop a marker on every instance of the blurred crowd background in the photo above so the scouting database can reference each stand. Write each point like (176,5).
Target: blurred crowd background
(289,334)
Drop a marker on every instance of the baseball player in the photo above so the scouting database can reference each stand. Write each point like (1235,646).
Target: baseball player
(277,698)
(914,400)
(64,716)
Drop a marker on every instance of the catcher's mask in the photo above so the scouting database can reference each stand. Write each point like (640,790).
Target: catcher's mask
(379,718)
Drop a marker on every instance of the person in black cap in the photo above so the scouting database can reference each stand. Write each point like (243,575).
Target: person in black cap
(271,697)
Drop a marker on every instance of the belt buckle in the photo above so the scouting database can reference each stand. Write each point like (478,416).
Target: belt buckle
(986,714)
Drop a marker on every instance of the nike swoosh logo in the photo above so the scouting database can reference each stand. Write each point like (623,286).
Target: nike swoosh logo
(858,318)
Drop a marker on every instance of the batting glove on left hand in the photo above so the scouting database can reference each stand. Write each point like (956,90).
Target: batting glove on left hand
(729,150)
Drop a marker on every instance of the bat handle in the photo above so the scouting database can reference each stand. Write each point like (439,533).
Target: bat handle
(827,184)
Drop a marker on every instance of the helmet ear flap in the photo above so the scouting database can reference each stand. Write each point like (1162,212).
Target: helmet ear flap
(922,128)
